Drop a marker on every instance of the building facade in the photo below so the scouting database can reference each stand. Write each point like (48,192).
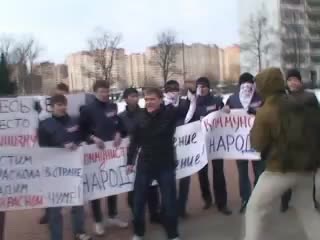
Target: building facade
(143,69)
(295,35)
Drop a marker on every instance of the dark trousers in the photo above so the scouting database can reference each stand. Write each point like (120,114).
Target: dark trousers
(2,225)
(286,197)
(152,198)
(96,208)
(219,184)
(184,186)
(167,184)
(244,180)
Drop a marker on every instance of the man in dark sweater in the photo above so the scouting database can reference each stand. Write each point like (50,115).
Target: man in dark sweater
(100,123)
(172,97)
(61,131)
(151,143)
(129,119)
(207,103)
(296,89)
(246,98)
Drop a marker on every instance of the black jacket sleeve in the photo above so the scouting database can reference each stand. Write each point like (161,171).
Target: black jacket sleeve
(220,103)
(85,124)
(133,146)
(43,136)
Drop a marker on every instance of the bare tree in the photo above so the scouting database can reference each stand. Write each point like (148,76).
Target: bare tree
(103,47)
(257,42)
(294,40)
(166,51)
(7,45)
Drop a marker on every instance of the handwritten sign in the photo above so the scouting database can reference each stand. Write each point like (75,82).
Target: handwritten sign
(18,122)
(227,135)
(40,177)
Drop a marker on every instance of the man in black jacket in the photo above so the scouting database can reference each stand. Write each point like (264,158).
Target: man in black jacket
(129,119)
(206,103)
(152,145)
(61,131)
(172,97)
(100,123)
(296,89)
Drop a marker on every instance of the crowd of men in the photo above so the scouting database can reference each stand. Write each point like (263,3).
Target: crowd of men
(151,152)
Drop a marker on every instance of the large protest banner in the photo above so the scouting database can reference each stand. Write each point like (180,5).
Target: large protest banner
(18,122)
(228,135)
(40,177)
(105,171)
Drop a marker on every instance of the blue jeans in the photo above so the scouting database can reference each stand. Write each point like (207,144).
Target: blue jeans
(184,185)
(56,222)
(244,180)
(167,183)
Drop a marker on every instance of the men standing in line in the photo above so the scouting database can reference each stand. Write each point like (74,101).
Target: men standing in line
(172,97)
(129,119)
(63,132)
(287,133)
(246,98)
(99,123)
(152,145)
(296,89)
(206,103)
(61,89)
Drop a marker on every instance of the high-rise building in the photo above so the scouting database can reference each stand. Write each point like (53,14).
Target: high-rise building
(231,63)
(294,35)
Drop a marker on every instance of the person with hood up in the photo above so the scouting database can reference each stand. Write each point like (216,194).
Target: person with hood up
(279,133)
(296,89)
(248,99)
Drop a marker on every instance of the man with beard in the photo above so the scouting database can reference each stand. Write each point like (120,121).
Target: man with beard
(296,89)
(246,98)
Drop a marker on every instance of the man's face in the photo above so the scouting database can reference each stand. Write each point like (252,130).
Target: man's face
(102,94)
(294,84)
(59,109)
(132,100)
(153,102)
(203,90)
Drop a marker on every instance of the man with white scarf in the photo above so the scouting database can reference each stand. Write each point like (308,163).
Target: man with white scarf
(246,98)
(172,96)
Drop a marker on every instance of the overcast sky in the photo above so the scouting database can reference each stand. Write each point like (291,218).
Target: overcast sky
(63,26)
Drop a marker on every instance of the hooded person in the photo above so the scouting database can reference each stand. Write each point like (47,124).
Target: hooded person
(279,133)
(248,99)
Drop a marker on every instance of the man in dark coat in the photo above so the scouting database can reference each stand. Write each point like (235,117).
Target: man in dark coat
(207,103)
(296,89)
(129,119)
(246,98)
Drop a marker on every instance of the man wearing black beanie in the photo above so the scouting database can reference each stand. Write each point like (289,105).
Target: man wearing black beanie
(207,103)
(296,88)
(246,98)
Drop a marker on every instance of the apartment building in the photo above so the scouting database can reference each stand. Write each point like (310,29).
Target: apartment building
(294,34)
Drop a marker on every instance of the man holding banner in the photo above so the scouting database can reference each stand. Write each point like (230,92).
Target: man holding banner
(172,97)
(152,144)
(246,98)
(100,123)
(62,131)
(206,103)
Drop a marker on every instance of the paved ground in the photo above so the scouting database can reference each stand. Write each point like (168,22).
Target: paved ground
(202,225)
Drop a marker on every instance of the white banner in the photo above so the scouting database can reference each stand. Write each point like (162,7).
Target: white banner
(18,122)
(39,178)
(105,171)
(228,135)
